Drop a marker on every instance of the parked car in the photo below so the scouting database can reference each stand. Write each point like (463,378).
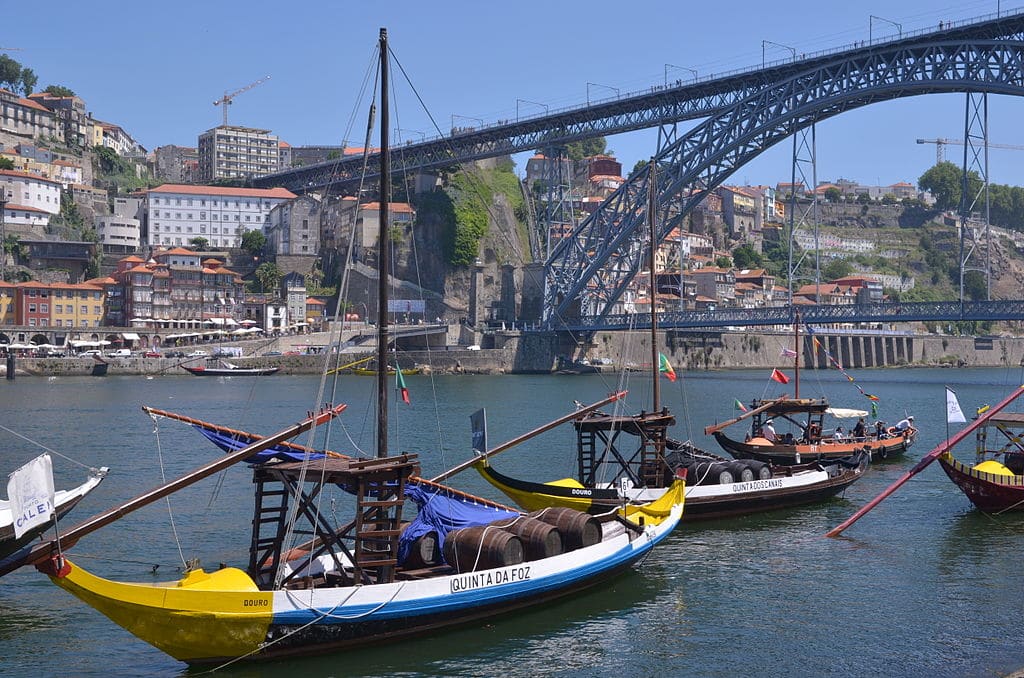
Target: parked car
(120,353)
(198,353)
(152,354)
(175,354)
(273,353)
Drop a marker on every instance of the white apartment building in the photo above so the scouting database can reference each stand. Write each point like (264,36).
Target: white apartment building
(230,152)
(23,190)
(177,213)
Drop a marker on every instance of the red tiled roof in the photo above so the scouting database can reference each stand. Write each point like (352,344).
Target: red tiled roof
(313,301)
(26,175)
(24,208)
(187,189)
(394,207)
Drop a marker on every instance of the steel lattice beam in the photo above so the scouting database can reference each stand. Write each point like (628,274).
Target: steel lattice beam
(592,267)
(660,106)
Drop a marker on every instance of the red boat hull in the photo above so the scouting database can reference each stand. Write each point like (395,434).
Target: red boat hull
(990,492)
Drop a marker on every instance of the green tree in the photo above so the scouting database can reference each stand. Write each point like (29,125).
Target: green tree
(253,242)
(943,182)
(108,159)
(745,256)
(29,80)
(723,262)
(269,276)
(889,199)
(974,286)
(10,72)
(837,268)
(586,148)
(863,199)
(59,91)
(6,163)
(833,194)
(199,243)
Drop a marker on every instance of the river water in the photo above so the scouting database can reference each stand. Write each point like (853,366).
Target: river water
(923,586)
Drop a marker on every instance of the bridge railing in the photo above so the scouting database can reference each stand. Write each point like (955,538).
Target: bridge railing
(821,314)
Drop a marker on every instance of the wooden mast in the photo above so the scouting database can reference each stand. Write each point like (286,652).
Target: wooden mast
(652,200)
(383,256)
(796,358)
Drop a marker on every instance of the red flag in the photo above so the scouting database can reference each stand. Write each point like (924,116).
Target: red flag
(400,383)
(779,377)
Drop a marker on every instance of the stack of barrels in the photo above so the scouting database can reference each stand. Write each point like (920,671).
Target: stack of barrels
(538,535)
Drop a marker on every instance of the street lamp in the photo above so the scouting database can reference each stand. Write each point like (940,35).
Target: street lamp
(597,84)
(399,130)
(681,68)
(775,44)
(871,19)
(527,101)
(3,235)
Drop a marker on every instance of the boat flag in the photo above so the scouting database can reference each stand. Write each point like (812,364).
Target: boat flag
(787,353)
(30,491)
(400,384)
(739,406)
(665,367)
(778,376)
(954,415)
(478,425)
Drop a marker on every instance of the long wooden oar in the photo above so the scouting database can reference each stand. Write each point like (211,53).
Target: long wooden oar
(925,460)
(708,430)
(526,436)
(40,552)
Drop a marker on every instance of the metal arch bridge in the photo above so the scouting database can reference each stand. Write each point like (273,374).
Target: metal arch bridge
(588,271)
(655,107)
(943,311)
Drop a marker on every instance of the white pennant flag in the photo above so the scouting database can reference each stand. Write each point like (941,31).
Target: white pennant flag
(954,415)
(30,490)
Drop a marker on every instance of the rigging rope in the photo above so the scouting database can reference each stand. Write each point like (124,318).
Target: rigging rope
(163,479)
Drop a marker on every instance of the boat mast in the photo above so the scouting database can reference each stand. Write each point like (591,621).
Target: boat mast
(383,256)
(652,200)
(796,358)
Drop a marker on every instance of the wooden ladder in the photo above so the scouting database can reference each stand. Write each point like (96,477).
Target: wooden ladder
(268,527)
(379,493)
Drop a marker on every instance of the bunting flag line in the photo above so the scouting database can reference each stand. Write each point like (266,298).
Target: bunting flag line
(779,377)
(665,367)
(821,347)
(739,406)
(400,385)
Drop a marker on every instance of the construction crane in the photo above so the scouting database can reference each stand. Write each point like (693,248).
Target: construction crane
(940,145)
(225,100)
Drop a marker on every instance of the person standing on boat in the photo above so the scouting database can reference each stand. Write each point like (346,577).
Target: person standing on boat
(769,432)
(858,430)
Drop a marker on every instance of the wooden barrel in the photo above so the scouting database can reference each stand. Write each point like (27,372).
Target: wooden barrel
(481,548)
(540,540)
(424,552)
(578,529)
(741,471)
(711,473)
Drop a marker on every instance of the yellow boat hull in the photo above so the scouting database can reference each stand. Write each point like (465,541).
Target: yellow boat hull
(203,616)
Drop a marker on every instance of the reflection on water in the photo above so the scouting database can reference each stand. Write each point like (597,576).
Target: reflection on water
(922,585)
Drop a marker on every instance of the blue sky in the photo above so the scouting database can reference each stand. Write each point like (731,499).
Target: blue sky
(156,68)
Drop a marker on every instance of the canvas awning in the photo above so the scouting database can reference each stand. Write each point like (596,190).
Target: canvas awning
(130,336)
(843,413)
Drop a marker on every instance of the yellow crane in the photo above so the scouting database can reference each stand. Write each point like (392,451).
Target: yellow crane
(941,143)
(225,100)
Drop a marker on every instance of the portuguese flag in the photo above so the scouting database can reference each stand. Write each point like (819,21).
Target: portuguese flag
(665,367)
(400,385)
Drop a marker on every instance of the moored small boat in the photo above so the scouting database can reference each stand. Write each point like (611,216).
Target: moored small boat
(225,369)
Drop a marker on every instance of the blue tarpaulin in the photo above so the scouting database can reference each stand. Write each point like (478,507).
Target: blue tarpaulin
(442,512)
(229,443)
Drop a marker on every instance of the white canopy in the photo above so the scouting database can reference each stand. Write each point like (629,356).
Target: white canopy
(130,336)
(843,413)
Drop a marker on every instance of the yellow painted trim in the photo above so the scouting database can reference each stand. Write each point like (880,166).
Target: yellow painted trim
(204,616)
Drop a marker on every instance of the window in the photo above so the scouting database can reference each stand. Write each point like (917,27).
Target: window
(44,308)
(97,310)
(85,309)
(58,308)
(60,322)
(31,308)
(31,322)
(238,217)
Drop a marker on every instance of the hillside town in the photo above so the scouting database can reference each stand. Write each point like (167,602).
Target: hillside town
(175,256)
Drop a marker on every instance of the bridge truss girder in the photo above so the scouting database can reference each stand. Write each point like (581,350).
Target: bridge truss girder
(661,106)
(593,267)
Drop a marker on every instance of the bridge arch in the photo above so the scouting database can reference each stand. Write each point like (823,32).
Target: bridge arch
(594,264)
